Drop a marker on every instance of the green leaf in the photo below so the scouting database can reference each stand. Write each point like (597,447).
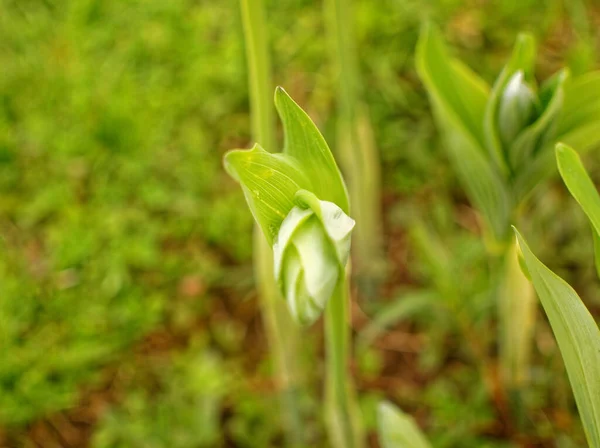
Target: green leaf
(579,183)
(596,238)
(458,93)
(578,338)
(583,190)
(582,103)
(584,137)
(270,183)
(522,58)
(458,97)
(398,430)
(304,142)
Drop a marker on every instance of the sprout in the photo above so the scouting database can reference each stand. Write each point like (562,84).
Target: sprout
(518,107)
(310,253)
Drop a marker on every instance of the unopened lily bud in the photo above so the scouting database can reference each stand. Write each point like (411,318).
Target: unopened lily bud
(517,108)
(310,253)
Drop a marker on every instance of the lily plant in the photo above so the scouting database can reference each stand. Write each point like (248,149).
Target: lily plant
(300,202)
(500,140)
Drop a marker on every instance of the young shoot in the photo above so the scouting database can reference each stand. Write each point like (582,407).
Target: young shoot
(299,200)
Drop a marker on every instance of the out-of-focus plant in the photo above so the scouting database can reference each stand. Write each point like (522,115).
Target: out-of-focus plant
(397,429)
(282,335)
(185,412)
(356,149)
(500,140)
(576,332)
(299,200)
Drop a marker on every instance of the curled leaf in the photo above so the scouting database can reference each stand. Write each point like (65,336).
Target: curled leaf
(270,182)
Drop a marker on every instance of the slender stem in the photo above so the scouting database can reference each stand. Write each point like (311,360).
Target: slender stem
(356,149)
(343,420)
(259,72)
(282,333)
(516,311)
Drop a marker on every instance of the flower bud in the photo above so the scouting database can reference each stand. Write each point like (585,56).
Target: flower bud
(310,253)
(517,110)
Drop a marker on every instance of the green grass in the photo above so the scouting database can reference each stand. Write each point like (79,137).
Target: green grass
(118,223)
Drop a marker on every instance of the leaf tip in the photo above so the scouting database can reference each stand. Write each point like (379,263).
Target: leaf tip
(562,149)
(525,38)
(281,95)
(518,235)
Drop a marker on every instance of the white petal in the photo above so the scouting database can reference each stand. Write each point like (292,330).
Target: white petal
(290,224)
(320,266)
(339,227)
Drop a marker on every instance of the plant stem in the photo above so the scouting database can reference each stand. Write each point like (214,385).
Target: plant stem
(259,72)
(356,150)
(343,419)
(282,332)
(516,311)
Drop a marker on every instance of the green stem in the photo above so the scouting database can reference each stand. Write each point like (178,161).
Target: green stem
(517,313)
(343,419)
(282,333)
(259,72)
(356,150)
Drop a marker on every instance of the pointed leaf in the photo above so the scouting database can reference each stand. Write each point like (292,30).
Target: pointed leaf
(582,103)
(578,338)
(579,183)
(458,99)
(583,137)
(304,142)
(270,182)
(398,430)
(583,190)
(458,93)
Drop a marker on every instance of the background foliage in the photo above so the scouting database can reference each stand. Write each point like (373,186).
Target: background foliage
(127,311)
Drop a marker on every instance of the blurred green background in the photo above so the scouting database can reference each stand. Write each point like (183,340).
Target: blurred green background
(128,316)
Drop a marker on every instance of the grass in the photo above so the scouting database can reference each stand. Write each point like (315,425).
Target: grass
(123,242)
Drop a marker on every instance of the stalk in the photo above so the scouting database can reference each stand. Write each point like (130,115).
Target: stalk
(516,311)
(282,333)
(343,419)
(355,148)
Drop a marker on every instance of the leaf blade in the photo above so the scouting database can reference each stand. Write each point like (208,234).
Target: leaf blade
(269,182)
(582,102)
(398,430)
(463,129)
(577,335)
(579,183)
(306,144)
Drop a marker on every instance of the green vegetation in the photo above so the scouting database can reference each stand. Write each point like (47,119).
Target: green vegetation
(499,140)
(299,200)
(576,331)
(129,313)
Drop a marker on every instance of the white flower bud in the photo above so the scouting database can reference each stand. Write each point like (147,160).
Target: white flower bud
(310,253)
(517,110)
